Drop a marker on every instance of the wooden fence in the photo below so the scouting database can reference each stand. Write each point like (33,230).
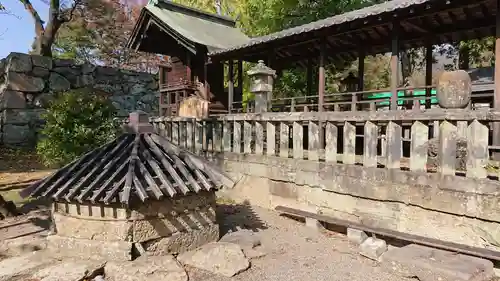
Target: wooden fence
(388,139)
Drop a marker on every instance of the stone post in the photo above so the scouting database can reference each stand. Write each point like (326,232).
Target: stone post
(261,85)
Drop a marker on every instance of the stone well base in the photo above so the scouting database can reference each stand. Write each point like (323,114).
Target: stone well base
(122,250)
(163,227)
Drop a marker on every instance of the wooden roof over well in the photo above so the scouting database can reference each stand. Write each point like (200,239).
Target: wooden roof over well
(164,26)
(437,21)
(137,166)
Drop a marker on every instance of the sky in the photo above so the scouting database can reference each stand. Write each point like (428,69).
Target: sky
(17,32)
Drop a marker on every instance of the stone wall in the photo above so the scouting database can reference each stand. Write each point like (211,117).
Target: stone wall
(160,227)
(29,82)
(449,208)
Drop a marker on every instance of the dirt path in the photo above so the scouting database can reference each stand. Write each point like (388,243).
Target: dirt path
(297,253)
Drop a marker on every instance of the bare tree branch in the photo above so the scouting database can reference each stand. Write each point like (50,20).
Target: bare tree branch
(38,21)
(72,10)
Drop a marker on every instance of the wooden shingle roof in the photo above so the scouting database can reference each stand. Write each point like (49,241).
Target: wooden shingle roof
(137,166)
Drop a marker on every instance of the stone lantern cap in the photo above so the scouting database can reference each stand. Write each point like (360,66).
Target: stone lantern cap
(136,167)
(261,69)
(260,75)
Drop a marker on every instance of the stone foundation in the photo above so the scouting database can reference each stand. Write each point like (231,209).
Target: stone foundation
(456,209)
(161,227)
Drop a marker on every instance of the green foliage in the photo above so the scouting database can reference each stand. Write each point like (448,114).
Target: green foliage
(76,122)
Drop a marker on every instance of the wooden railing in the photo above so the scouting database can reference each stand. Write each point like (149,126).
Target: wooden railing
(358,101)
(384,139)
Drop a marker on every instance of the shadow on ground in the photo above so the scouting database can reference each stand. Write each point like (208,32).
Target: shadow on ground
(232,217)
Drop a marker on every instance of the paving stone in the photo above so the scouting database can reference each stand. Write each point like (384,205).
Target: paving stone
(219,257)
(373,248)
(355,235)
(313,223)
(429,264)
(146,268)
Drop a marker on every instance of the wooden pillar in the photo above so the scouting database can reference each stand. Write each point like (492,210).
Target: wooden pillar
(230,91)
(321,77)
(240,75)
(361,78)
(309,73)
(496,96)
(428,73)
(395,65)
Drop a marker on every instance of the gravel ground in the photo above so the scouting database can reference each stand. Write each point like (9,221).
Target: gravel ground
(296,252)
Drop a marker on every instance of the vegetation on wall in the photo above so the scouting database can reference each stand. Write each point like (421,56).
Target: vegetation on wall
(76,122)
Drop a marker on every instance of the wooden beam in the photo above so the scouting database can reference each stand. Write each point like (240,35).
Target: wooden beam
(496,96)
(428,72)
(230,92)
(395,65)
(414,26)
(321,77)
(309,73)
(361,77)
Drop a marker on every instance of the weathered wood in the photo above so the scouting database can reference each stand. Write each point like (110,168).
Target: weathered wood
(237,137)
(259,138)
(370,144)
(349,156)
(435,114)
(166,164)
(270,139)
(217,136)
(190,135)
(247,137)
(125,196)
(477,150)
(284,136)
(394,144)
(419,147)
(448,148)
(198,136)
(298,140)
(331,134)
(314,142)
(175,133)
(226,138)
(166,186)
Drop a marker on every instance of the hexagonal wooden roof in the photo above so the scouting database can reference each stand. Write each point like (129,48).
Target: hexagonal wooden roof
(137,166)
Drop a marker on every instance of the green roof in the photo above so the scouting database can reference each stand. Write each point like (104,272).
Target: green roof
(213,31)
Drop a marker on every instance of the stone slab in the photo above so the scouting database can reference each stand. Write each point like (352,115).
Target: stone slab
(429,264)
(226,259)
(69,270)
(22,266)
(356,236)
(147,268)
(92,249)
(373,248)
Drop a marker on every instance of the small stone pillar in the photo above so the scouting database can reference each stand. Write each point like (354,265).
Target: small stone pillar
(261,85)
(454,89)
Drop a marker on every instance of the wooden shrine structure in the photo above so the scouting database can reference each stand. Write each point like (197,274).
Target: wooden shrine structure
(383,28)
(186,35)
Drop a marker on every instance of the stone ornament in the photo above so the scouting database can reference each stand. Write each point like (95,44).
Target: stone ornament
(261,85)
(454,89)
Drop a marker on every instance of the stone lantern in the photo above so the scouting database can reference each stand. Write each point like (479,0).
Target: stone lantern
(261,85)
(454,89)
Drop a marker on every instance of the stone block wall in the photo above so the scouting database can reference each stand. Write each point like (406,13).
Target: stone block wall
(160,227)
(29,82)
